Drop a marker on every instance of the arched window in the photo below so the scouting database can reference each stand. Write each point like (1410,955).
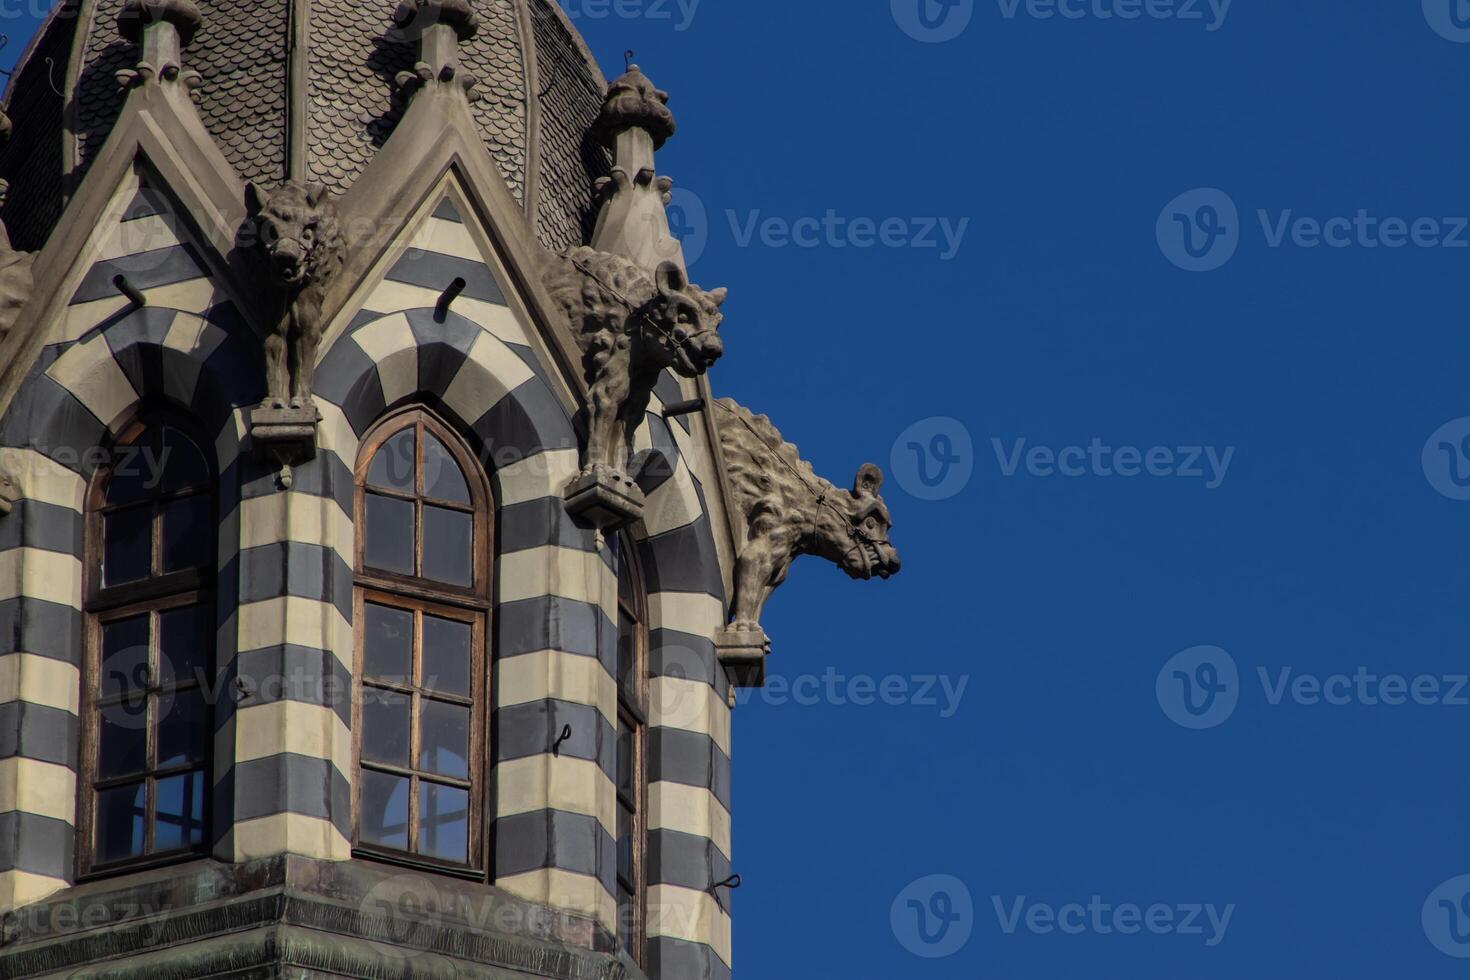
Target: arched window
(632,749)
(149,657)
(422,609)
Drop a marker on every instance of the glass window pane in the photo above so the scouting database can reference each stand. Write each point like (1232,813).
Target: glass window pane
(446,656)
(183,731)
(449,537)
(625,916)
(183,646)
(388,543)
(384,810)
(444,739)
(179,820)
(121,813)
(387,643)
(443,479)
(122,738)
(127,545)
(625,571)
(444,822)
(626,823)
(135,469)
(124,656)
(627,655)
(625,760)
(385,722)
(392,466)
(181,462)
(188,532)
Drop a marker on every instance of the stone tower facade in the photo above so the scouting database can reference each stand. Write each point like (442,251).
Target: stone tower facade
(376,566)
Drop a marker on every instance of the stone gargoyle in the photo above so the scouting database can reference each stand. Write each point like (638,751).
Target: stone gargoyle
(298,234)
(630,326)
(790,511)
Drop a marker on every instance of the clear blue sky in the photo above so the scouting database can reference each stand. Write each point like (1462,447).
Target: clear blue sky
(1061,320)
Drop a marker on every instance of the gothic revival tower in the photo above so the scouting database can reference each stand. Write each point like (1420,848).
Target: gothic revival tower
(375,562)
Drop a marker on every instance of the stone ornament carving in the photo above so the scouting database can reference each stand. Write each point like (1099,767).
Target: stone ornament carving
(16,279)
(635,121)
(631,325)
(439,26)
(790,511)
(296,232)
(162,29)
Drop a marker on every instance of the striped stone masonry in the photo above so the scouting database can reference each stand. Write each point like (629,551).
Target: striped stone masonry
(283,765)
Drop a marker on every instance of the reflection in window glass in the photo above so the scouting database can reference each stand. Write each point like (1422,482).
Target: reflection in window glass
(384,810)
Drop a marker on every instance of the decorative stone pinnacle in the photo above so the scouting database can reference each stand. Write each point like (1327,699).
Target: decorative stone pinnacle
(162,29)
(440,27)
(138,15)
(417,16)
(635,102)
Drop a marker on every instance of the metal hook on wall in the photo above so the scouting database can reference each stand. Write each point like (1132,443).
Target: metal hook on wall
(733,882)
(566,733)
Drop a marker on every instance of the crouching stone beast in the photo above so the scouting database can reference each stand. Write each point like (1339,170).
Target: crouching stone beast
(630,326)
(299,237)
(791,511)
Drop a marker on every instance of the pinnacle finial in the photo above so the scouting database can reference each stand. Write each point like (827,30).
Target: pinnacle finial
(414,17)
(634,101)
(138,14)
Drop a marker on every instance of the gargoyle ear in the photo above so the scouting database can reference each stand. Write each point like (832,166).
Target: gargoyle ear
(671,278)
(869,480)
(718,296)
(254,198)
(315,193)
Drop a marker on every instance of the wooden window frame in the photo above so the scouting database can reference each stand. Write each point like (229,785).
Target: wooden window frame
(422,596)
(157,594)
(633,712)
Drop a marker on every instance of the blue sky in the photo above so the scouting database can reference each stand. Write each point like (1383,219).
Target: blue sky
(1081,749)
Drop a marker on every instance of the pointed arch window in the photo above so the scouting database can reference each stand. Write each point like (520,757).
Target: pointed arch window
(149,654)
(422,621)
(632,773)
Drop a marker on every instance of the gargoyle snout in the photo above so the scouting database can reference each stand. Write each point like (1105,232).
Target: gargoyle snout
(711,347)
(288,258)
(888,557)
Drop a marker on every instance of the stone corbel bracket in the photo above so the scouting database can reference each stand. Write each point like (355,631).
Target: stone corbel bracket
(790,511)
(440,27)
(162,29)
